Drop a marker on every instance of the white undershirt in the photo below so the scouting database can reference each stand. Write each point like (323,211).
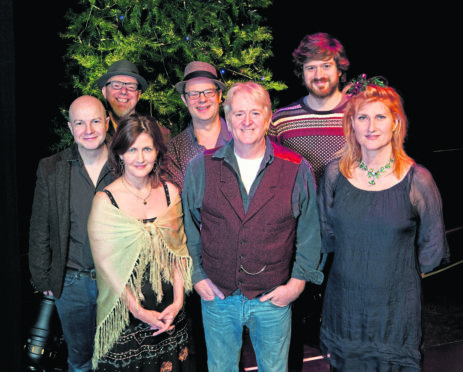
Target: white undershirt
(248,170)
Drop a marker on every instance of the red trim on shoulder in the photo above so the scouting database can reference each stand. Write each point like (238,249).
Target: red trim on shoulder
(286,154)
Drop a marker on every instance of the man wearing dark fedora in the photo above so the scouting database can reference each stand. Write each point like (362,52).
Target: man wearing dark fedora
(122,87)
(201,91)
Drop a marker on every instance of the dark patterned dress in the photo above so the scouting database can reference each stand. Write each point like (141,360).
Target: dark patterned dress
(136,349)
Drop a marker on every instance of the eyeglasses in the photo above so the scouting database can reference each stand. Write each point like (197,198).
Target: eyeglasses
(194,94)
(117,85)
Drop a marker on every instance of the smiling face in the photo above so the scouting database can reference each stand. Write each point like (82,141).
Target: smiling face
(373,124)
(248,121)
(140,157)
(88,123)
(321,77)
(122,101)
(204,109)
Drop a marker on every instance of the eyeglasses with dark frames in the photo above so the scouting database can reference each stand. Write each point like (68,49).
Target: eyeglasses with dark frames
(117,85)
(208,93)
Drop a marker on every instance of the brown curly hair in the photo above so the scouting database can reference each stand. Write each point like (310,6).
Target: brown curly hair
(320,46)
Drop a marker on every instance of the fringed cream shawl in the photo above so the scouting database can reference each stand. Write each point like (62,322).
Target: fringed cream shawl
(122,247)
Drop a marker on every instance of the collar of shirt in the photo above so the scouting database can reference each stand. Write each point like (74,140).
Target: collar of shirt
(223,138)
(227,153)
(340,107)
(76,155)
(77,159)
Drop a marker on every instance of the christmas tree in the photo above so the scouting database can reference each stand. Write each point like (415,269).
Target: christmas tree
(161,37)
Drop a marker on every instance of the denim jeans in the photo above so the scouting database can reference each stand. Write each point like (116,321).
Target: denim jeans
(269,329)
(77,312)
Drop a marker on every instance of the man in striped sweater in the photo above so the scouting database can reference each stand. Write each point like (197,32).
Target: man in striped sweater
(312,126)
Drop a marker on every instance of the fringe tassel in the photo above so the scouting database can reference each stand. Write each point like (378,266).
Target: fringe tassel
(109,330)
(162,262)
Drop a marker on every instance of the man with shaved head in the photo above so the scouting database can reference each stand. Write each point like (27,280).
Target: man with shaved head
(60,258)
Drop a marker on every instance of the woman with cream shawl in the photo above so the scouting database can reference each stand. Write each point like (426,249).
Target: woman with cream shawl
(142,263)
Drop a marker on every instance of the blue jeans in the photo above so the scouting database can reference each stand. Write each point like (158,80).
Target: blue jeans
(269,330)
(77,312)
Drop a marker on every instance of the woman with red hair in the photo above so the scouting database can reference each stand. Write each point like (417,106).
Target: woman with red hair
(381,216)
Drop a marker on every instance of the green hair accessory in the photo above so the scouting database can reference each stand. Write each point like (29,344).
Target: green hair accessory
(361,83)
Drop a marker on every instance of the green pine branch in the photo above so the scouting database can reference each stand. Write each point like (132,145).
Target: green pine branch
(161,37)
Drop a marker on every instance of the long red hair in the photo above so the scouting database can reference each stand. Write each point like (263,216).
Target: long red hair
(351,153)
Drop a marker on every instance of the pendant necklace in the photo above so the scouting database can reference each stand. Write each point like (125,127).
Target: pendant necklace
(136,195)
(374,174)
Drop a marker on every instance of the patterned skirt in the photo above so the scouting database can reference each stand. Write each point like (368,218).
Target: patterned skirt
(137,350)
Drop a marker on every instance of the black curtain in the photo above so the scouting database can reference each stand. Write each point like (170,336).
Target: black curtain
(10,344)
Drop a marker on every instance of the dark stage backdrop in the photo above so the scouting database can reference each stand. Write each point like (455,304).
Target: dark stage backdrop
(9,248)
(415,50)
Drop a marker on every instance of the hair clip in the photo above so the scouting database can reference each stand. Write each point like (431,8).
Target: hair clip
(361,83)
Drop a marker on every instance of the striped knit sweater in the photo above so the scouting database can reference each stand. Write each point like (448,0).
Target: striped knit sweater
(316,135)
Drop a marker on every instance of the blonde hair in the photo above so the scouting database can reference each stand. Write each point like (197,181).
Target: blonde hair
(351,153)
(253,89)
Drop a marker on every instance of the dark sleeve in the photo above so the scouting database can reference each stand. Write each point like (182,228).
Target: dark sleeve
(431,240)
(325,201)
(308,244)
(40,255)
(192,198)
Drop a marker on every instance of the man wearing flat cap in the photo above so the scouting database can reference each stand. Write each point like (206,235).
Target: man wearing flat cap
(122,87)
(201,91)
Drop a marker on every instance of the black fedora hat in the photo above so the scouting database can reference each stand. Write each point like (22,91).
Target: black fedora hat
(122,67)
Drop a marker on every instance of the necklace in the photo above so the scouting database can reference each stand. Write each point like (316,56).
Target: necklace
(136,195)
(371,173)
